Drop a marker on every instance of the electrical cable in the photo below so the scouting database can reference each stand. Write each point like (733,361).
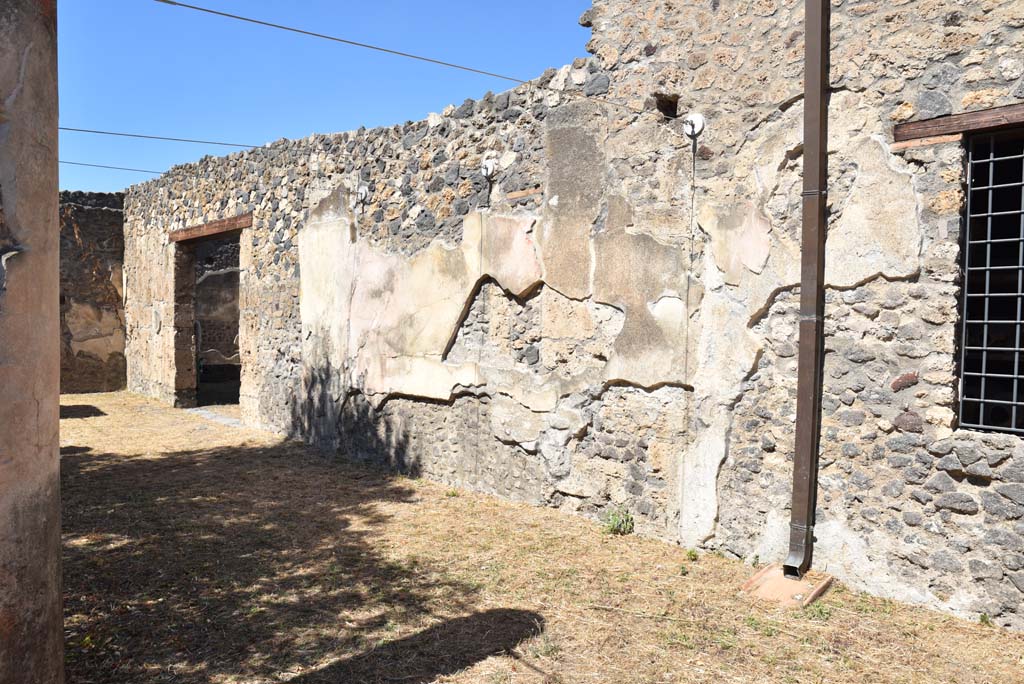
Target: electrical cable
(353,43)
(314,34)
(154,137)
(398,53)
(116,168)
(692,237)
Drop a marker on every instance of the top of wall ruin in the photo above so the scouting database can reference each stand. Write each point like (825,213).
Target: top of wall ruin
(93,200)
(741,64)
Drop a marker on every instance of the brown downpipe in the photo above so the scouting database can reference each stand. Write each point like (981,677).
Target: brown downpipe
(812,289)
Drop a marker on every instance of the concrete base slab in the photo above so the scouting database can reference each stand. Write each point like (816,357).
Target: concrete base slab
(769,584)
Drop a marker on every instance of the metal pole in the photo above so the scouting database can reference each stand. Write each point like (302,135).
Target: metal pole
(812,289)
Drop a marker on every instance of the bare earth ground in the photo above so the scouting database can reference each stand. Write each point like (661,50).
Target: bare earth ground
(200,552)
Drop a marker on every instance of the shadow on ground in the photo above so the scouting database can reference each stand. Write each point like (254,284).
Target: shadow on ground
(444,649)
(80,411)
(255,564)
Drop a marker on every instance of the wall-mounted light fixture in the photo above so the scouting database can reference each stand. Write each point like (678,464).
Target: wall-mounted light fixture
(357,202)
(362,195)
(489,170)
(693,125)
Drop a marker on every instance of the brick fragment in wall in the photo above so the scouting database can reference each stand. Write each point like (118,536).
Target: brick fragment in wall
(904,381)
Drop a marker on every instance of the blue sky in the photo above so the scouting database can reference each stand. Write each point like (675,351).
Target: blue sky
(140,66)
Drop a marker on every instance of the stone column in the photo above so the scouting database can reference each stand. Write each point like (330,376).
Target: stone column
(31,635)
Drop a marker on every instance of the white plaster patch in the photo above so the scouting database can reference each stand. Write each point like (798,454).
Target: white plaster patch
(726,354)
(669,311)
(774,539)
(860,562)
(513,422)
(698,491)
(388,319)
(739,240)
(874,237)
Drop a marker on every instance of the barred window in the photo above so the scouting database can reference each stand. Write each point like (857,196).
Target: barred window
(992,362)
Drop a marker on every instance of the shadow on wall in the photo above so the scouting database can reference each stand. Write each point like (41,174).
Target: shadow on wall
(338,420)
(251,562)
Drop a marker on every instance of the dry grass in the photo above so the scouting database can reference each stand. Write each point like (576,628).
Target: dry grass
(196,552)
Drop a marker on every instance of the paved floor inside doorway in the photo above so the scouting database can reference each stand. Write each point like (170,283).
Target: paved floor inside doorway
(199,551)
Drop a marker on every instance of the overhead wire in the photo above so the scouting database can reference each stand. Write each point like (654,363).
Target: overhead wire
(398,53)
(116,168)
(153,137)
(143,136)
(346,41)
(336,39)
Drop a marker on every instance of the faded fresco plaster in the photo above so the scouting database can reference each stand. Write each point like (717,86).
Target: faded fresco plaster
(381,324)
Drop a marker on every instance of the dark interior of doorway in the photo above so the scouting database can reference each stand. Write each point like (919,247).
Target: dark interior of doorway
(218,361)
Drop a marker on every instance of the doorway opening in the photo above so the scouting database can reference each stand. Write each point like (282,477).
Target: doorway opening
(218,362)
(209,365)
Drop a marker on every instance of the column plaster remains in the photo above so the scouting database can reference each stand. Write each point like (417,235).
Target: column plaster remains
(31,630)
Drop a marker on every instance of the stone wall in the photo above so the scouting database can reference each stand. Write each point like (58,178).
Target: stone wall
(552,296)
(92,314)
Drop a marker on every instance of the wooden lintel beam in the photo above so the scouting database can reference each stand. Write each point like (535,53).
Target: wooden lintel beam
(212,228)
(925,142)
(969,122)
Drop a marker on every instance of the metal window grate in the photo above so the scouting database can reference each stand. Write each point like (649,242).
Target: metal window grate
(992,356)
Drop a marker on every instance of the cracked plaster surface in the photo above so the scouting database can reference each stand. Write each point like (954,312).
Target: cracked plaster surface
(388,320)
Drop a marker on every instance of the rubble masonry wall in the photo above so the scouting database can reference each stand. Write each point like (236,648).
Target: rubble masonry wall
(91,309)
(609,320)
